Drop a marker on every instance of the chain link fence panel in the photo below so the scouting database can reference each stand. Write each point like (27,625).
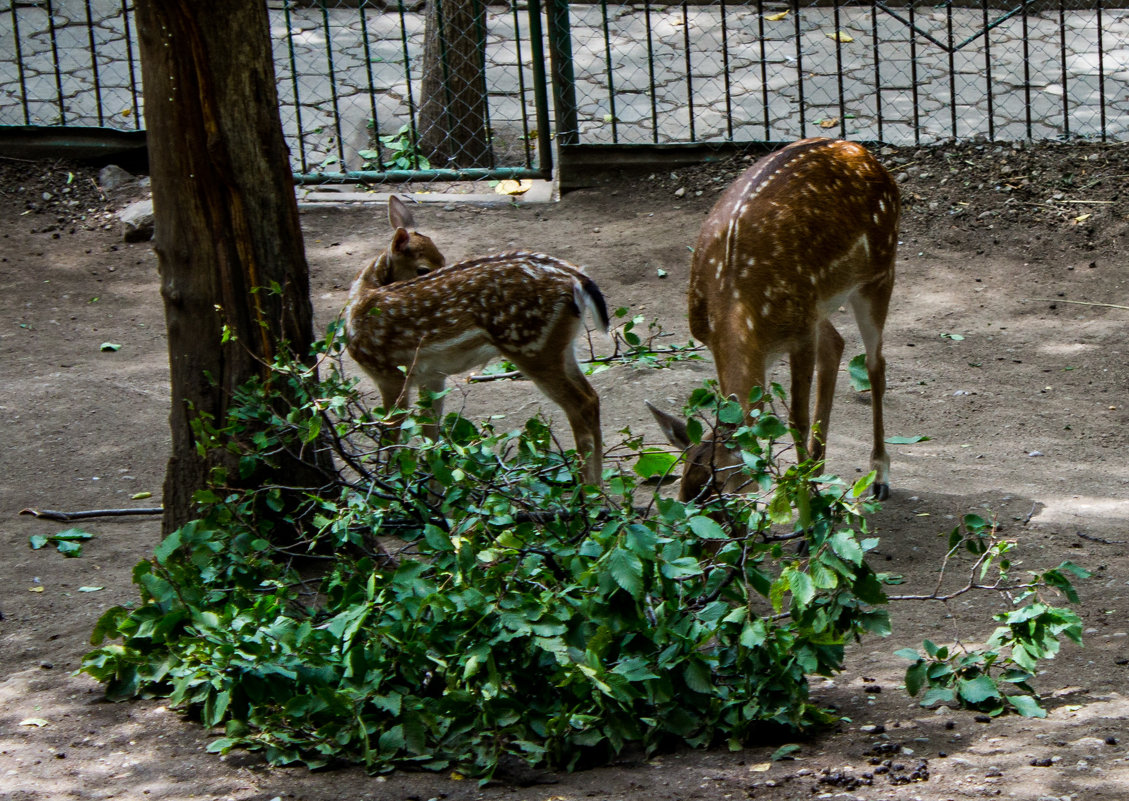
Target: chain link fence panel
(374,90)
(902,74)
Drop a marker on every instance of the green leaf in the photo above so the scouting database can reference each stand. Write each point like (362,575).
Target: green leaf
(222,745)
(109,347)
(681,567)
(769,426)
(697,677)
(627,571)
(730,413)
(694,430)
(635,668)
(37,541)
(641,540)
(784,752)
(69,548)
(437,538)
(916,677)
(938,695)
(707,528)
(753,634)
(910,440)
(847,547)
(1027,706)
(392,740)
(780,508)
(856,371)
(312,430)
(863,484)
(802,587)
(654,463)
(977,690)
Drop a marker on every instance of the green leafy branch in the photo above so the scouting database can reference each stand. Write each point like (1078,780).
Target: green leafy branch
(630,348)
(403,151)
(479,604)
(68,543)
(464,600)
(997,676)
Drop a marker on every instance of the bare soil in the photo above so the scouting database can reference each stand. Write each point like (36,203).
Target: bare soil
(1019,250)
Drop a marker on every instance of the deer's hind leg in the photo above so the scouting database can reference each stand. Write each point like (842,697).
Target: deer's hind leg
(563,382)
(869,306)
(829,353)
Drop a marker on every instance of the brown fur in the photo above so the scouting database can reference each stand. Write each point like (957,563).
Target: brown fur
(803,230)
(525,307)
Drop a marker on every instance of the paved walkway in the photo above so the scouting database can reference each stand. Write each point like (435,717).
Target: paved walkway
(642,77)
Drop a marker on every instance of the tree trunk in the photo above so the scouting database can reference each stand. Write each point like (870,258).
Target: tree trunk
(454,124)
(227,228)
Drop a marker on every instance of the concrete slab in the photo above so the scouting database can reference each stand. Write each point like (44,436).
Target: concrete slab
(330,197)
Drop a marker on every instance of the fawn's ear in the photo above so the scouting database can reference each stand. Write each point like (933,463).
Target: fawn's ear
(399,216)
(400,241)
(673,428)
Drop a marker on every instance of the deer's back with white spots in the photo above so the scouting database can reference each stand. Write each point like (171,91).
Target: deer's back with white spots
(804,230)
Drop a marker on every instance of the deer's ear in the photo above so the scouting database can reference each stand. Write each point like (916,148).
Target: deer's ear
(399,215)
(673,428)
(400,241)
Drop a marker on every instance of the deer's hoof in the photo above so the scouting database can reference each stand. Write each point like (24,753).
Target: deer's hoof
(880,491)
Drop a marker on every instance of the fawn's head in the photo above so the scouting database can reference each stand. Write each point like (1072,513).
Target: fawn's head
(710,466)
(410,254)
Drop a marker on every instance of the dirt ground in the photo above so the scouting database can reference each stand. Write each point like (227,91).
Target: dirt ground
(1020,251)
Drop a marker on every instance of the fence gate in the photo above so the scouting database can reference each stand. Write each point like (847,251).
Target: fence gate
(352,87)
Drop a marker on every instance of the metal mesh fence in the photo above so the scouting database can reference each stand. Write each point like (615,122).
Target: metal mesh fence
(398,89)
(901,74)
(69,63)
(356,96)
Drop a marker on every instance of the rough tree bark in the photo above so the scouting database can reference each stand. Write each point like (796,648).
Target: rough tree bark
(453,117)
(226,220)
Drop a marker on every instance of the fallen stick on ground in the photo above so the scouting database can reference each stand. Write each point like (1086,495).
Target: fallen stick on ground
(51,514)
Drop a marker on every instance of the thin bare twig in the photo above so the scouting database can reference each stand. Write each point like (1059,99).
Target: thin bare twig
(1102,540)
(1077,302)
(52,514)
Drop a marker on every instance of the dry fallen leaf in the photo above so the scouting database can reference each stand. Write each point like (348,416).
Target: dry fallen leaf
(1081,218)
(841,37)
(39,723)
(829,123)
(777,17)
(760,767)
(511,187)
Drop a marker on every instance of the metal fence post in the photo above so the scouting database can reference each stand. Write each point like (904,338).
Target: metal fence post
(564,80)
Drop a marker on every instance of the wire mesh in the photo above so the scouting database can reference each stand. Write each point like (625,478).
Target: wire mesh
(69,63)
(726,71)
(358,102)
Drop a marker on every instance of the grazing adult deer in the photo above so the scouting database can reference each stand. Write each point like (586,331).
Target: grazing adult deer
(526,307)
(803,230)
